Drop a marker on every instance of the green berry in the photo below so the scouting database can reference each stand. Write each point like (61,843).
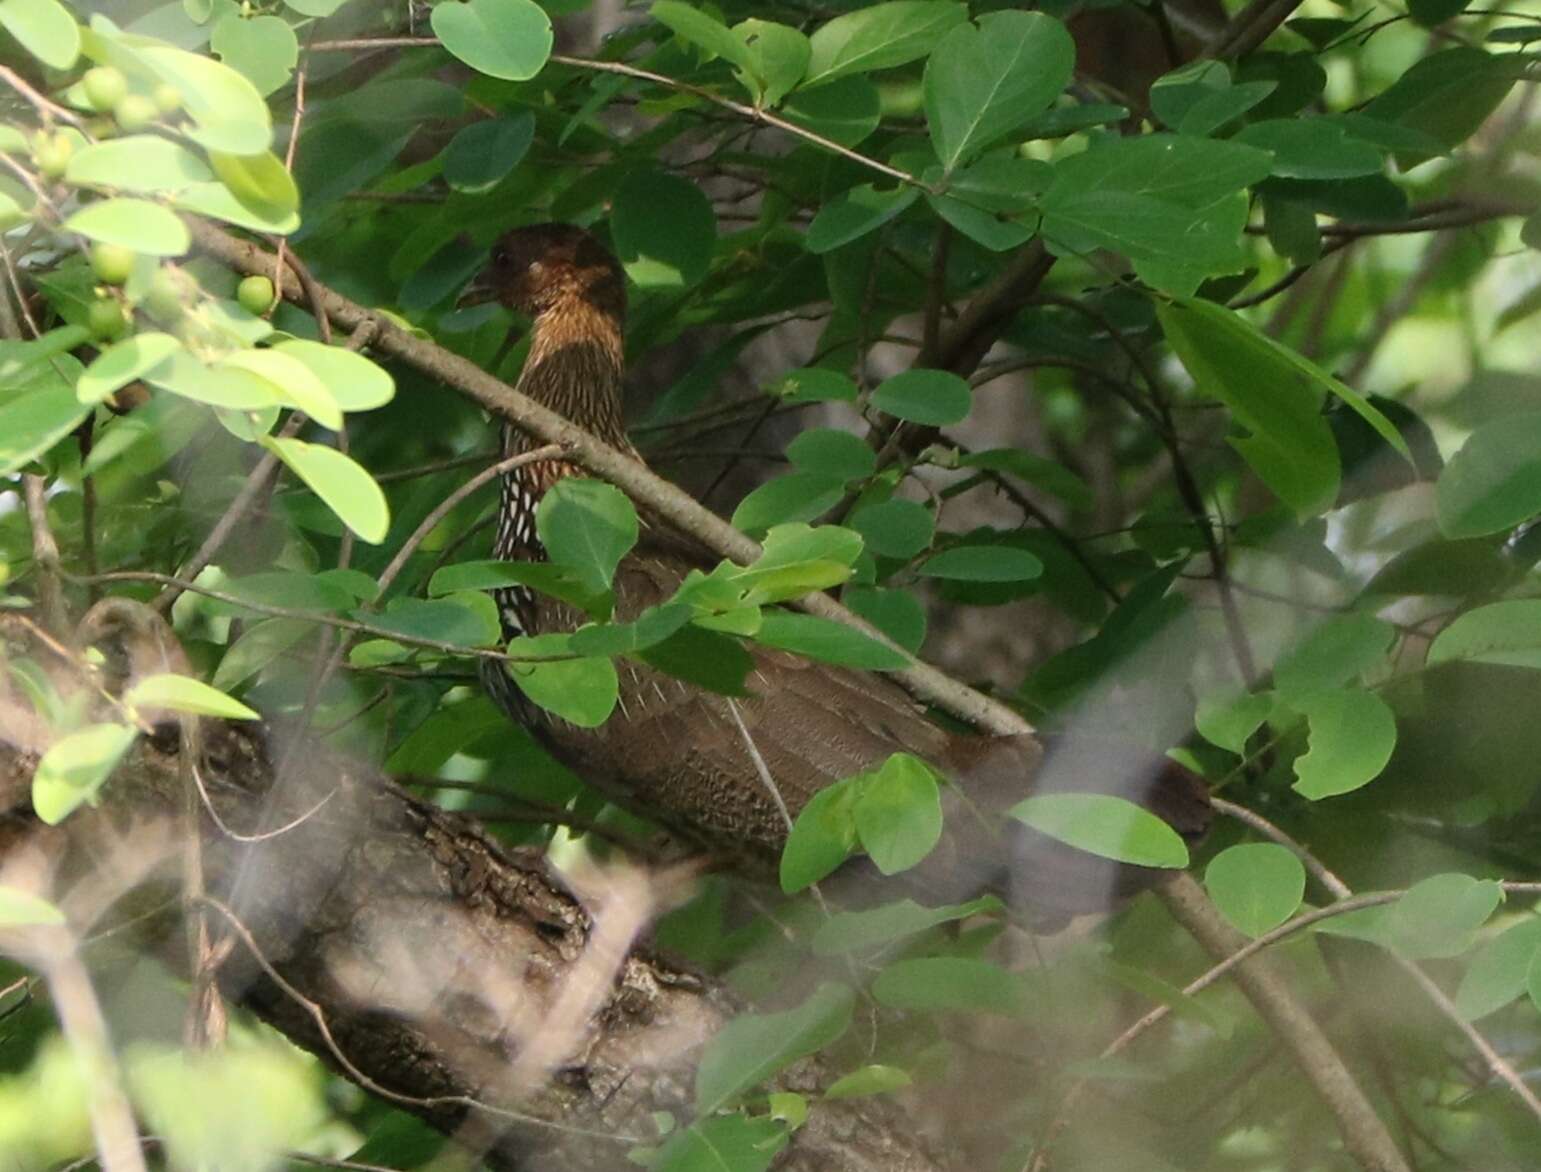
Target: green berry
(255,294)
(135,112)
(112,262)
(167,98)
(51,153)
(163,299)
(105,320)
(105,87)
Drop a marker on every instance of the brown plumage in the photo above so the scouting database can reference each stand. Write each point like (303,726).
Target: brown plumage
(683,755)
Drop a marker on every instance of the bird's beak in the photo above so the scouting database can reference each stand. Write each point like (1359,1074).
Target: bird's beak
(480,291)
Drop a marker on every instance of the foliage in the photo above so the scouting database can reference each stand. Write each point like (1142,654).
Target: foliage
(1207,385)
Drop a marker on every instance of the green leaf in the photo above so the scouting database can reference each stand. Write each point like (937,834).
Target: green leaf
(652,626)
(1257,886)
(982,563)
(846,112)
(800,496)
(854,213)
(982,83)
(260,183)
(894,528)
(813,384)
(468,619)
(1506,633)
(754,1046)
(185,694)
(704,658)
(582,691)
(1229,720)
(879,37)
(1439,916)
(868,1080)
(262,48)
(239,390)
(229,113)
(587,526)
(950,983)
(899,813)
(75,768)
(123,362)
(897,613)
(33,422)
(933,397)
(846,932)
(822,837)
(352,381)
(1312,148)
(980,226)
(22,909)
(258,645)
(1104,825)
(137,162)
(289,380)
(664,230)
(134,223)
(345,487)
(1497,973)
(1048,475)
(483,154)
(1446,95)
(734,1143)
(44,28)
(829,451)
(510,39)
(1177,169)
(778,59)
(828,641)
(1494,482)
(1352,736)
(217,201)
(1334,653)
(702,30)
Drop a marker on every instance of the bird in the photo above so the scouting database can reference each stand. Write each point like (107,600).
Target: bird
(731,774)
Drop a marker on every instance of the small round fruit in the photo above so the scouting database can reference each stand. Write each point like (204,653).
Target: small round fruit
(51,153)
(163,300)
(255,294)
(105,320)
(105,87)
(167,98)
(112,263)
(135,112)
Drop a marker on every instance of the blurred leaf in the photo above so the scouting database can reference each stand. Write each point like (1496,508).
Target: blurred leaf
(229,113)
(1334,653)
(122,363)
(44,28)
(1439,916)
(352,381)
(753,1047)
(1256,886)
(734,1143)
(858,931)
(832,452)
(868,1080)
(185,694)
(484,153)
(1507,632)
(1494,482)
(897,613)
(264,48)
(898,813)
(1497,973)
(950,983)
(981,563)
(134,223)
(22,909)
(34,421)
(137,162)
(74,768)
(1106,826)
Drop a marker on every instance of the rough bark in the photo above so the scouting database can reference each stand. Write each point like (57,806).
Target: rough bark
(436,958)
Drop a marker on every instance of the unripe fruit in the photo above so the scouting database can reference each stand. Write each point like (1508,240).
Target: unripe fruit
(112,263)
(135,112)
(255,294)
(167,98)
(51,153)
(105,87)
(105,320)
(163,299)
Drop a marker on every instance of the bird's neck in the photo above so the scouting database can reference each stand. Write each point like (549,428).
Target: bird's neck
(573,368)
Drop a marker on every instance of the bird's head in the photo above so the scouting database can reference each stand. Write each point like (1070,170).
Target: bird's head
(546,267)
